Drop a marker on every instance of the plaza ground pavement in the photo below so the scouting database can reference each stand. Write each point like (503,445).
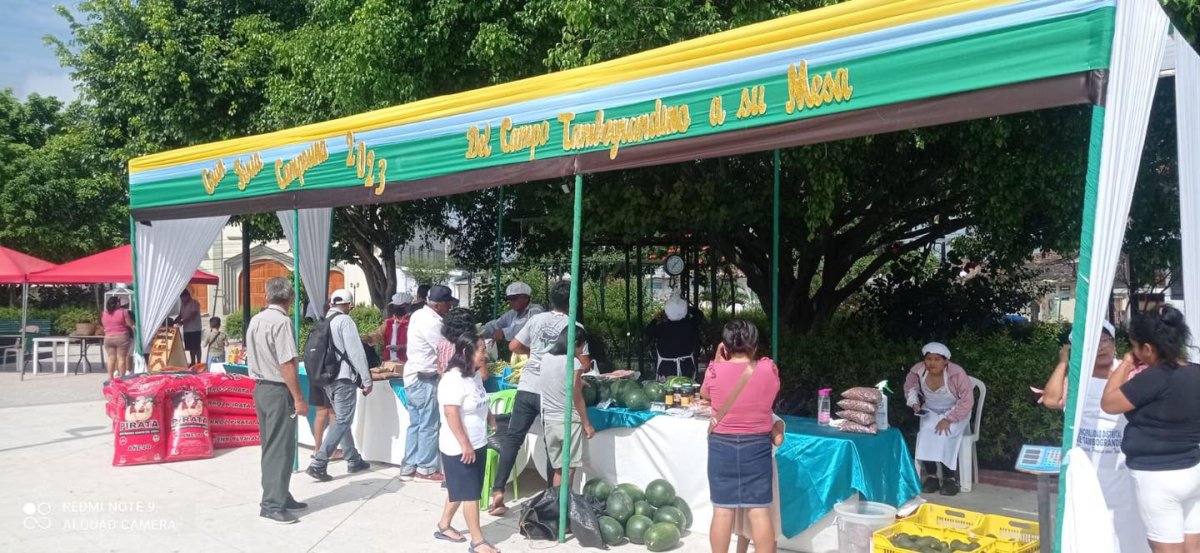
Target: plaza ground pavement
(62,494)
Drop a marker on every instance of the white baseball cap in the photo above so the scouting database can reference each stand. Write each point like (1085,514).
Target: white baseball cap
(341,296)
(401,298)
(518,289)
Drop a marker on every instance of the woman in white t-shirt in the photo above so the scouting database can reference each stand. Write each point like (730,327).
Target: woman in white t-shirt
(1100,435)
(462,440)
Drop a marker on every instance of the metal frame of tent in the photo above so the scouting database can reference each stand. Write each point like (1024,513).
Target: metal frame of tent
(857,68)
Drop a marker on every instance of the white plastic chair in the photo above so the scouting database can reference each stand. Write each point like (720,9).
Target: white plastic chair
(17,350)
(968,461)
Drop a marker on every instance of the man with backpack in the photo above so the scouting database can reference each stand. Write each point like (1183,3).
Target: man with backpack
(335,359)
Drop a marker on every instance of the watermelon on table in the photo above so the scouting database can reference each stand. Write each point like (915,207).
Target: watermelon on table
(636,400)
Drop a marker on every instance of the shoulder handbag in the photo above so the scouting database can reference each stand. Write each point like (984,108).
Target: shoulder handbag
(737,390)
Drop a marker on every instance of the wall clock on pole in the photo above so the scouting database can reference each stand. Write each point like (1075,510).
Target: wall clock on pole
(674,265)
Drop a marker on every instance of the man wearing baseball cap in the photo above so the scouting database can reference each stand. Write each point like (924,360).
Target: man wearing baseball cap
(420,386)
(353,375)
(505,328)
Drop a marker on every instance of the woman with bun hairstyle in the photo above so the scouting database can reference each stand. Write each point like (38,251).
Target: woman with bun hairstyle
(740,474)
(1162,438)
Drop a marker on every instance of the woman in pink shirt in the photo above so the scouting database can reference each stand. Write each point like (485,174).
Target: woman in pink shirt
(740,475)
(117,323)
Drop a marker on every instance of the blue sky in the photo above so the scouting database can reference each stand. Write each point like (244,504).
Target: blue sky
(26,63)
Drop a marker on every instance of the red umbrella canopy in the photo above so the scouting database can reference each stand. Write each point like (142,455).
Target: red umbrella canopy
(115,265)
(15,266)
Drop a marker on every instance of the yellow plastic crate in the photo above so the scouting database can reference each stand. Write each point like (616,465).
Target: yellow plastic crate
(882,540)
(938,516)
(1013,535)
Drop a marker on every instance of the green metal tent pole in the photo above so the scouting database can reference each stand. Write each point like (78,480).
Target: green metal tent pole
(564,489)
(24,323)
(1082,290)
(775,264)
(499,251)
(296,316)
(133,301)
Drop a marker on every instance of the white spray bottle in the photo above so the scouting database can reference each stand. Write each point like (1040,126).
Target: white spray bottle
(881,411)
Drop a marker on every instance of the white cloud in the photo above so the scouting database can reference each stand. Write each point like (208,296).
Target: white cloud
(58,85)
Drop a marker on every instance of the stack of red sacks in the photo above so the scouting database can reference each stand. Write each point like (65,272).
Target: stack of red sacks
(178,417)
(233,420)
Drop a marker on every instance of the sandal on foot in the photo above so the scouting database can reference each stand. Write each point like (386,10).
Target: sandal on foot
(480,544)
(442,535)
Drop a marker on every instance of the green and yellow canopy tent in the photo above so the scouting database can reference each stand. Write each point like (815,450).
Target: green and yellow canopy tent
(857,68)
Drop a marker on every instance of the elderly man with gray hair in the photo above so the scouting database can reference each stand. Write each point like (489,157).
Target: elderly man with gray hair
(278,400)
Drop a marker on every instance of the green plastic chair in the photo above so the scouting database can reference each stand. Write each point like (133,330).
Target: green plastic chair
(499,403)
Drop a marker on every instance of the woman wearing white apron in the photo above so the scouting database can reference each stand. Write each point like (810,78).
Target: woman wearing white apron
(1100,435)
(676,334)
(941,393)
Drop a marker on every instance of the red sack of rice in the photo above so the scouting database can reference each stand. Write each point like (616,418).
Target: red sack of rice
(222,384)
(231,405)
(857,417)
(228,424)
(236,439)
(857,405)
(139,433)
(870,395)
(189,433)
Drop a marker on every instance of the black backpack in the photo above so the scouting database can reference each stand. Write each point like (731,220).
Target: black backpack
(322,360)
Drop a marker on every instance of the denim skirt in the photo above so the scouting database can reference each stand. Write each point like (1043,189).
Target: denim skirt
(464,482)
(739,470)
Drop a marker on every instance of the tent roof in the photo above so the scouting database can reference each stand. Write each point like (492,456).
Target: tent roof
(15,266)
(859,67)
(115,265)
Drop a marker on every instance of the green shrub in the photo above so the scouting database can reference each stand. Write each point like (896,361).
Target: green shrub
(67,319)
(233,325)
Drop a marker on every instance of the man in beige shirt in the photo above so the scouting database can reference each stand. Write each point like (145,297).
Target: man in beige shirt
(278,400)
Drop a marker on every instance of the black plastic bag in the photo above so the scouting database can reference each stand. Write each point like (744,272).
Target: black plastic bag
(539,519)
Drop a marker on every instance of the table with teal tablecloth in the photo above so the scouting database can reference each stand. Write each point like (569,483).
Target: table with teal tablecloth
(818,466)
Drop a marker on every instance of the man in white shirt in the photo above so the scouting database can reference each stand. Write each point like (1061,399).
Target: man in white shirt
(510,323)
(353,374)
(420,386)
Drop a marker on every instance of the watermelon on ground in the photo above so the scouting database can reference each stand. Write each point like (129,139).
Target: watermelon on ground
(662,536)
(611,531)
(644,508)
(660,492)
(597,488)
(635,493)
(687,511)
(619,506)
(636,528)
(672,514)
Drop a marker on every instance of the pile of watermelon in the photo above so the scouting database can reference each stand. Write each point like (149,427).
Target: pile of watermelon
(624,392)
(655,517)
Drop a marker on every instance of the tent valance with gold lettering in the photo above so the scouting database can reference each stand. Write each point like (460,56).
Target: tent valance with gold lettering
(855,68)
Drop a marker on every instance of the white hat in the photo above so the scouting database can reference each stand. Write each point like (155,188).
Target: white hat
(675,308)
(401,298)
(1108,327)
(518,289)
(340,296)
(936,347)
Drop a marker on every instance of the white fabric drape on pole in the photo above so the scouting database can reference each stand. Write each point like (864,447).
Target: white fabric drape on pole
(1132,79)
(168,254)
(315,226)
(1187,117)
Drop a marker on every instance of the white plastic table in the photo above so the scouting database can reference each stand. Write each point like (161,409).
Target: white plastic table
(53,342)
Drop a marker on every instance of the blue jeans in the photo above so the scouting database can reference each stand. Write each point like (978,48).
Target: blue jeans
(421,443)
(343,397)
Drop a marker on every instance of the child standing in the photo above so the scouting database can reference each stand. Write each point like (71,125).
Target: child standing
(555,405)
(215,342)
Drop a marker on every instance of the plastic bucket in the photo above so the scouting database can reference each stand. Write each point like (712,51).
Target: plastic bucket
(857,523)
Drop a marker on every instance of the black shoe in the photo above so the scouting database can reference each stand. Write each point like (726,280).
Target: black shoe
(950,487)
(293,505)
(359,466)
(318,474)
(278,517)
(931,485)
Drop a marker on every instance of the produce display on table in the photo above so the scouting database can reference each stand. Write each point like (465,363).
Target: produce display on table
(654,517)
(628,393)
